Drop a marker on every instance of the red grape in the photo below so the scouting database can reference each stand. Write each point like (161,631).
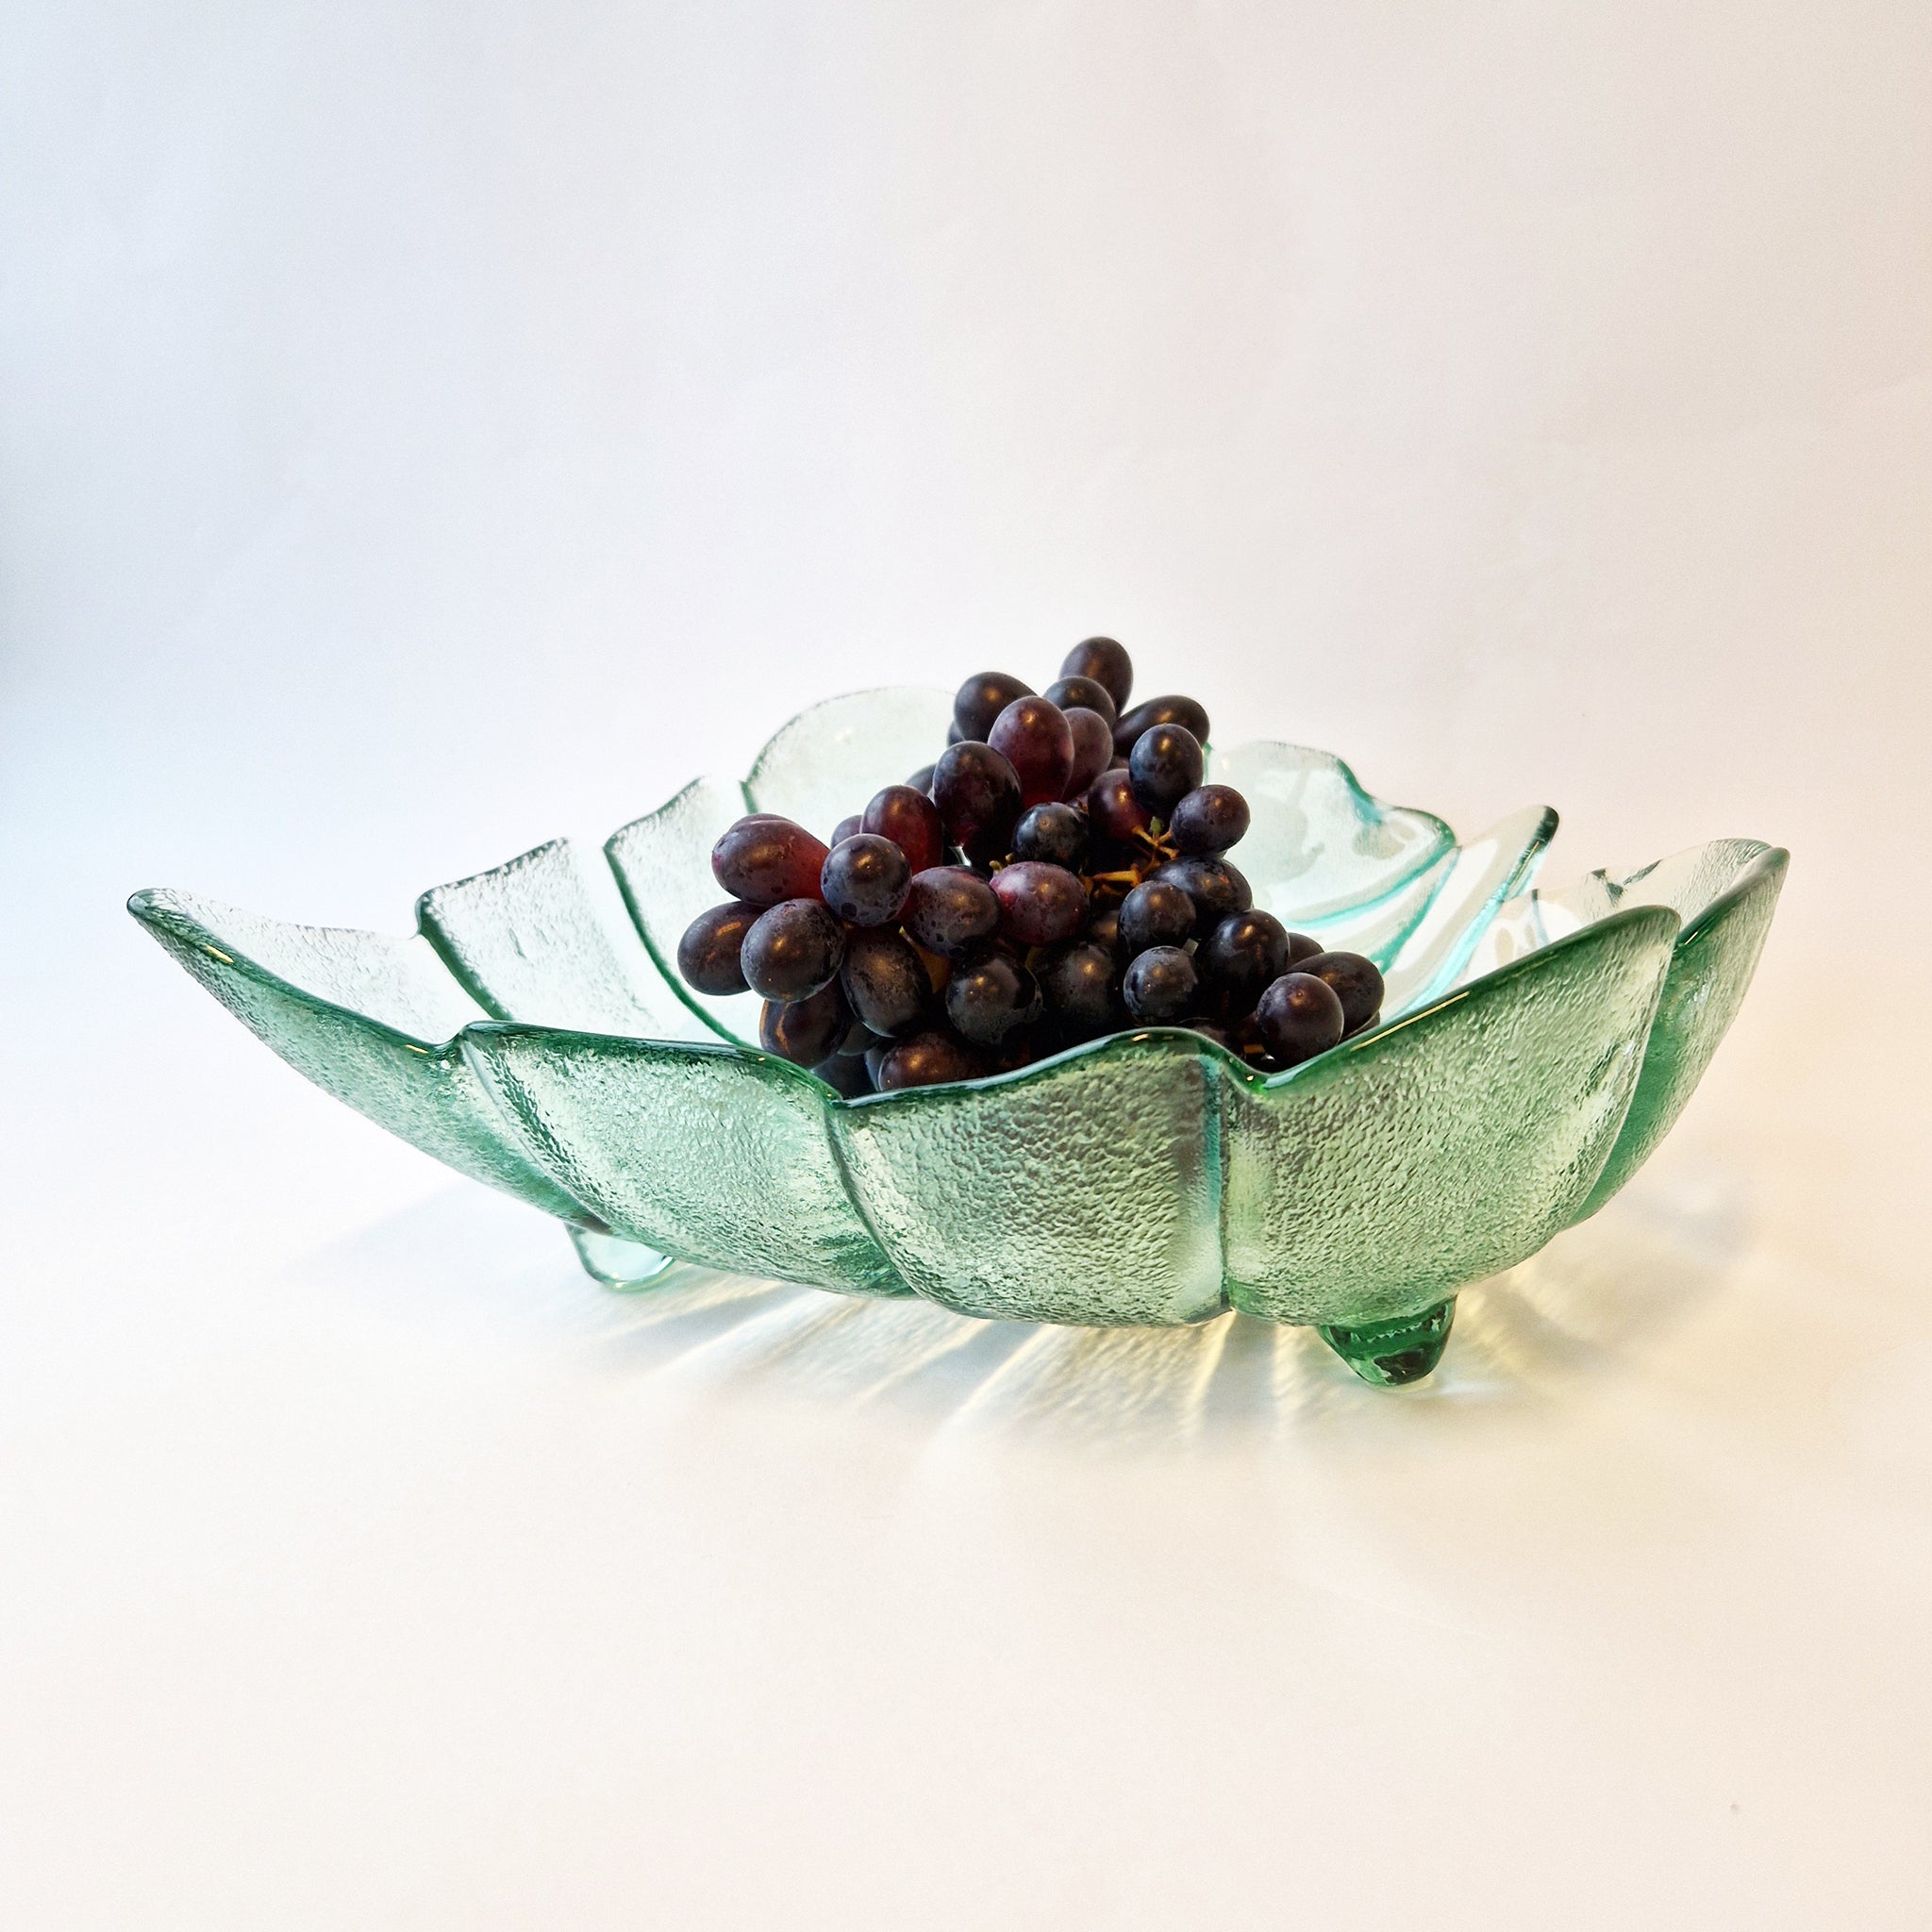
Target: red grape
(764,860)
(1092,749)
(792,950)
(708,952)
(884,981)
(1114,810)
(805,1031)
(977,792)
(865,879)
(1040,904)
(1034,739)
(924,1060)
(949,911)
(907,816)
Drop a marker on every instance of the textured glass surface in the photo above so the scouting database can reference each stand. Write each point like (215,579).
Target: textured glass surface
(1477,879)
(1687,882)
(546,939)
(1710,971)
(829,761)
(1430,1153)
(1534,1048)
(663,865)
(968,1188)
(702,1152)
(1318,846)
(290,986)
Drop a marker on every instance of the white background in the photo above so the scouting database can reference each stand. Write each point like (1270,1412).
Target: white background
(424,430)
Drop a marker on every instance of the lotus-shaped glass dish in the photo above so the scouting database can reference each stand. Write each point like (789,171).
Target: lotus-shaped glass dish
(1533,1048)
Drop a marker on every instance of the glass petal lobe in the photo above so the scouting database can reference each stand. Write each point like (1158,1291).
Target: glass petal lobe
(709,1154)
(1319,846)
(1471,889)
(829,761)
(1710,971)
(1086,1189)
(545,939)
(388,1055)
(1425,1155)
(662,862)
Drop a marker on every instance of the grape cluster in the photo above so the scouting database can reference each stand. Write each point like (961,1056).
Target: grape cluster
(1061,872)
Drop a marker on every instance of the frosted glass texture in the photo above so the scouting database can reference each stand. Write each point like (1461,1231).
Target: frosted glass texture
(1534,1049)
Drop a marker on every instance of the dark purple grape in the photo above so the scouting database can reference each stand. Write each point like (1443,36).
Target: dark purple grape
(927,1060)
(1356,983)
(1092,749)
(865,879)
(1244,1036)
(846,828)
(1055,834)
(1107,663)
(1209,1030)
(1040,904)
(884,980)
(988,998)
(907,815)
(876,1059)
(1160,984)
(845,1075)
(792,951)
(1112,809)
(1081,988)
(949,912)
(1298,1016)
(977,792)
(1165,765)
(765,861)
(1173,710)
(1300,947)
(805,1031)
(858,1036)
(1085,693)
(980,700)
(708,952)
(920,780)
(1245,952)
(1156,913)
(1036,739)
(1103,929)
(1214,886)
(1020,1048)
(1209,819)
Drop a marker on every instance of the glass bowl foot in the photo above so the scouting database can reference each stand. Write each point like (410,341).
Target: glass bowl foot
(1391,1353)
(616,1262)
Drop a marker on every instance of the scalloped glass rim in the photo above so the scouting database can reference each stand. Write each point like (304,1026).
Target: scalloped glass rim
(156,905)
(535,1034)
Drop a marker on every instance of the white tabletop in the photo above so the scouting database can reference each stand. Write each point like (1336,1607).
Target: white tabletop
(422,439)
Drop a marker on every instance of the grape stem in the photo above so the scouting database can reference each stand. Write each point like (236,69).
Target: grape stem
(1156,848)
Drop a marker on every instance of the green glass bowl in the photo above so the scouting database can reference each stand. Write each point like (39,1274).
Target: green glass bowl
(1533,1048)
